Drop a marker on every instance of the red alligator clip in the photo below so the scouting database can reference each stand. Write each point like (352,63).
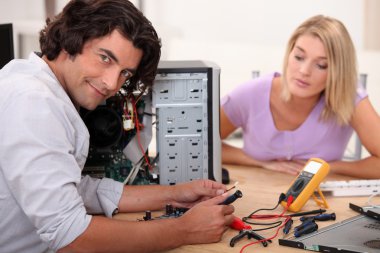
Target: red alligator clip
(238,224)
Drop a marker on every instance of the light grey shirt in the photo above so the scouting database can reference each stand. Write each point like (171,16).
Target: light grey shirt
(45,203)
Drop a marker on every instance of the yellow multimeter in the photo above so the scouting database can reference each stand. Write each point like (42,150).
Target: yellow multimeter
(306,183)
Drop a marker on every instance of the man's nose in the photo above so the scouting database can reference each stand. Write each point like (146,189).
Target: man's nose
(111,79)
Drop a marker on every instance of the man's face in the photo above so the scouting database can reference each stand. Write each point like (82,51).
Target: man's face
(100,70)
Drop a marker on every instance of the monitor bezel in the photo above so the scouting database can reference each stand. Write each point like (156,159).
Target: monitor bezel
(8,28)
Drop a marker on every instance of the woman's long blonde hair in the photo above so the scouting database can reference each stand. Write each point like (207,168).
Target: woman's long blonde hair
(342,74)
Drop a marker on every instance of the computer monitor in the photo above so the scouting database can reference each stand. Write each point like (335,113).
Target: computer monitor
(6,44)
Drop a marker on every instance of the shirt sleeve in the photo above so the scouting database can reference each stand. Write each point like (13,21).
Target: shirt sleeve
(38,154)
(100,195)
(361,93)
(235,106)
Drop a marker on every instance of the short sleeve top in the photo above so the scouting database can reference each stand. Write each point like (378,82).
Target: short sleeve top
(248,107)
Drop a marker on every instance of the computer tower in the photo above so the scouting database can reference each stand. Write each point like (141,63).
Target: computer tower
(186,99)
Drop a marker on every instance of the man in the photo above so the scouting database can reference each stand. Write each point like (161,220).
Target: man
(88,52)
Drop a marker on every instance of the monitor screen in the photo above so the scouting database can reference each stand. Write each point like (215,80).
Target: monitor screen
(6,44)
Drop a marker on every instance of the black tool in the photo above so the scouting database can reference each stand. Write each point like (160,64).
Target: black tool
(320,217)
(232,198)
(250,234)
(304,224)
(288,226)
(326,216)
(308,228)
(318,211)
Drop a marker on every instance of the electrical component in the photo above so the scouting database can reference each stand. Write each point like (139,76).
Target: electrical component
(112,127)
(306,183)
(175,212)
(170,212)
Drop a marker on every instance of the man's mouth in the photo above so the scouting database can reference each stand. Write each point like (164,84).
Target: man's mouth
(96,89)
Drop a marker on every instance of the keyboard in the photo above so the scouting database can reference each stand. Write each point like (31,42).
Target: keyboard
(351,187)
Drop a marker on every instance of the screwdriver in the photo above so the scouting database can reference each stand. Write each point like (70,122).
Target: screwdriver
(320,217)
(288,226)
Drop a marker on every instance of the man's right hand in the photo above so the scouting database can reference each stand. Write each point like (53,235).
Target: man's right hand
(207,221)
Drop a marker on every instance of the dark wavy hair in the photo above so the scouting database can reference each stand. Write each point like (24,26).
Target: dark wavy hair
(83,20)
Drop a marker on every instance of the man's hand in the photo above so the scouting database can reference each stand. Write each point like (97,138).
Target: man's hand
(207,221)
(189,194)
(290,167)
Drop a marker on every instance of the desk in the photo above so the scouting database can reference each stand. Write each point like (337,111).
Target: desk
(261,189)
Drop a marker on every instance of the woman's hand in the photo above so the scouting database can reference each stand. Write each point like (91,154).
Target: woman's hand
(291,167)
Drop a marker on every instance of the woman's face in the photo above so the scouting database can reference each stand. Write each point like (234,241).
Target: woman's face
(307,67)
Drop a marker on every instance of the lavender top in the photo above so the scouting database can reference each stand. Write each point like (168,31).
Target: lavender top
(247,106)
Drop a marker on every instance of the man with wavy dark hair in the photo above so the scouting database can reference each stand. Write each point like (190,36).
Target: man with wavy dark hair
(80,21)
(88,52)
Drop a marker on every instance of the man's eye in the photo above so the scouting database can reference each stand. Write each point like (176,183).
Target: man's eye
(105,58)
(126,74)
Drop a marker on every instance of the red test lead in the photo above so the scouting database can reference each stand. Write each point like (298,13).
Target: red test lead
(238,224)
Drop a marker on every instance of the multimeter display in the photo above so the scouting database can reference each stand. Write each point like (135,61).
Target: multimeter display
(307,181)
(312,167)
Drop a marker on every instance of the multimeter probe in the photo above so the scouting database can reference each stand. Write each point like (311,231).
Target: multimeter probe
(301,189)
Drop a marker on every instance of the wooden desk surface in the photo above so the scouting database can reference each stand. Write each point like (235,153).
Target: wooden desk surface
(261,189)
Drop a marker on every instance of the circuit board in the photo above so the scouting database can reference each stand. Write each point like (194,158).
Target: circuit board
(108,137)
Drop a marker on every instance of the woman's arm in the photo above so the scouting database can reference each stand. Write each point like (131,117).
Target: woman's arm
(366,123)
(231,154)
(226,126)
(234,155)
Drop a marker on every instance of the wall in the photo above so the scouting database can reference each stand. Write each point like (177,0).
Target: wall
(27,19)
(242,35)
(371,25)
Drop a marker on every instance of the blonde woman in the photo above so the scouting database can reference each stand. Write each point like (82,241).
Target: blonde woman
(311,110)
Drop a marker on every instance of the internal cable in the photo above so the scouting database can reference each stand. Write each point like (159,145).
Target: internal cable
(138,125)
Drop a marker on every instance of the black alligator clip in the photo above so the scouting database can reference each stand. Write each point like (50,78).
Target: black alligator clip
(250,234)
